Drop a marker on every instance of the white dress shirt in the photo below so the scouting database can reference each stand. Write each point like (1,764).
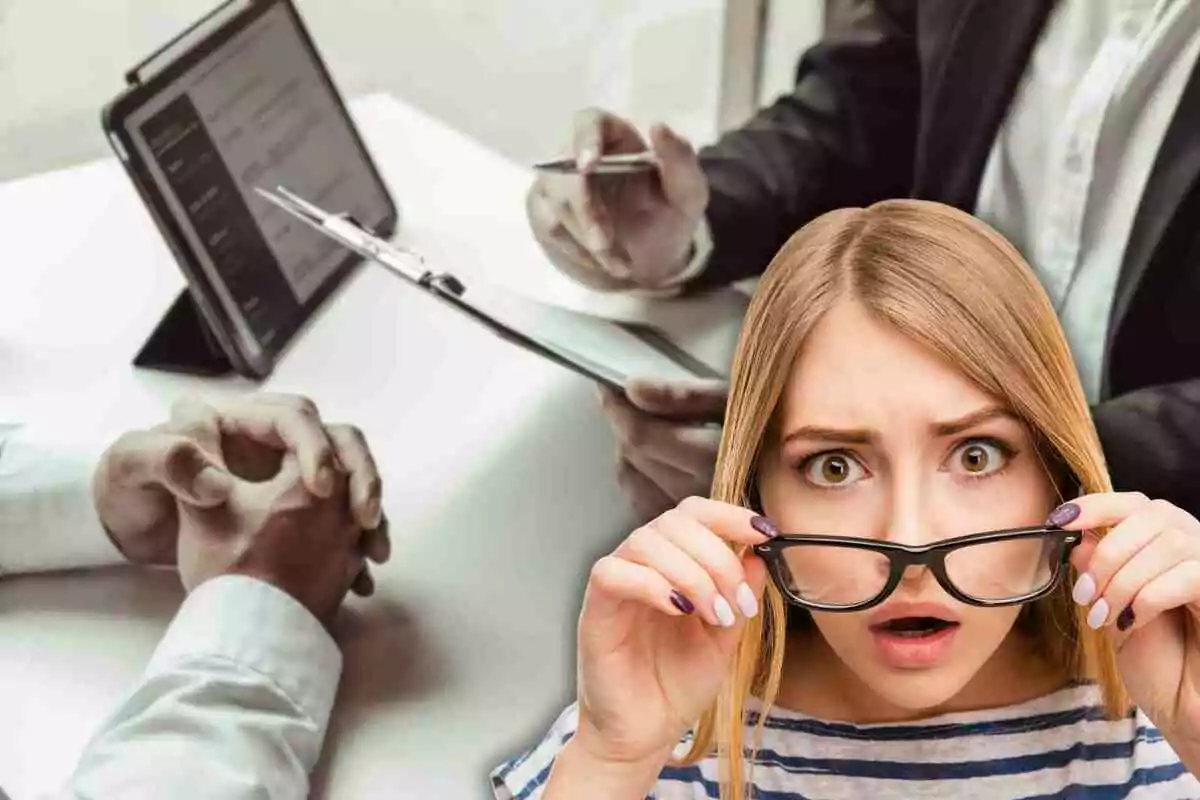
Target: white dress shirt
(236,699)
(1070,162)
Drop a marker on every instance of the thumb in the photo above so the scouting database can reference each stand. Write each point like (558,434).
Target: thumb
(683,182)
(700,398)
(190,474)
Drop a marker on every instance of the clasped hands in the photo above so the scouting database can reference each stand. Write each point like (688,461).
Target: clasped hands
(258,486)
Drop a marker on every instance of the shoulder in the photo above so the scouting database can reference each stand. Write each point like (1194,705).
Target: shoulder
(524,775)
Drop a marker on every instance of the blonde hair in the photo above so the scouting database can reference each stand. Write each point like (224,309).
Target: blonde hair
(951,283)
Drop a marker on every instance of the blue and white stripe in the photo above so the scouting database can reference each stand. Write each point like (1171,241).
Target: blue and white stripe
(1057,747)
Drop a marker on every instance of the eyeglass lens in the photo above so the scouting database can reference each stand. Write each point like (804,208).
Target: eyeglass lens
(836,575)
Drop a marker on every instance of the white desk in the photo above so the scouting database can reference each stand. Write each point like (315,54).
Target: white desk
(498,471)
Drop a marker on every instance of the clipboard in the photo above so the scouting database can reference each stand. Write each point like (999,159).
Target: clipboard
(602,350)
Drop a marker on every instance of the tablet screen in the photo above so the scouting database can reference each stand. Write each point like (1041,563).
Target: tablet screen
(257,111)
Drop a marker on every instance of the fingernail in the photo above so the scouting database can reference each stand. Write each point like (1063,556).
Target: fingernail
(724,612)
(375,513)
(1063,515)
(681,602)
(765,527)
(1098,614)
(586,156)
(746,601)
(1085,589)
(1125,621)
(212,483)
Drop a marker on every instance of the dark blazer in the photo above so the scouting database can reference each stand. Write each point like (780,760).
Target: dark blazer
(906,101)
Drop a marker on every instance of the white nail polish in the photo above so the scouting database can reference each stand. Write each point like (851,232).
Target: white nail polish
(1085,589)
(724,612)
(1098,615)
(746,601)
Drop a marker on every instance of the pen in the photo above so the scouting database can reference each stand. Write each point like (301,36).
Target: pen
(610,164)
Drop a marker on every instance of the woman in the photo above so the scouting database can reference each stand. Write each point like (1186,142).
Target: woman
(901,382)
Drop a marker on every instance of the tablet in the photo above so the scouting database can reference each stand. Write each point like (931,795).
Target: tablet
(241,99)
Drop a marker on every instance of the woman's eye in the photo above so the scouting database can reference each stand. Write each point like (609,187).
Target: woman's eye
(977,459)
(833,470)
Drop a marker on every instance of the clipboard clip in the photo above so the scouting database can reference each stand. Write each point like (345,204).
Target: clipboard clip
(349,232)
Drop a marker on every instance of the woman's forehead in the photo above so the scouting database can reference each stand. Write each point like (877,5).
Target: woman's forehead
(854,371)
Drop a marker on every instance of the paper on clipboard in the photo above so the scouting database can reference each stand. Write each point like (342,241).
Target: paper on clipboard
(607,350)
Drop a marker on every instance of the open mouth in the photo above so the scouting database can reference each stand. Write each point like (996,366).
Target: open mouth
(914,627)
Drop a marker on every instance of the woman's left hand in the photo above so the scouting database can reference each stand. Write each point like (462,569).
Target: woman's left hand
(1142,582)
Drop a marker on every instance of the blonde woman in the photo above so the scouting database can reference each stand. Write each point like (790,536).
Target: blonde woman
(913,578)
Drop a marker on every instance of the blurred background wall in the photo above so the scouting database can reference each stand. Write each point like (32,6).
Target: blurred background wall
(507,72)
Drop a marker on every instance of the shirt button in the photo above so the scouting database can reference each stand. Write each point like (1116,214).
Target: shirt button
(1130,27)
(1074,162)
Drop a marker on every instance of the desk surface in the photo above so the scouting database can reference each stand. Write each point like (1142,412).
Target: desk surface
(498,508)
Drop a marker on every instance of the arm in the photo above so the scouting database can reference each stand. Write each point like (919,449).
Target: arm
(1151,440)
(234,704)
(47,515)
(845,136)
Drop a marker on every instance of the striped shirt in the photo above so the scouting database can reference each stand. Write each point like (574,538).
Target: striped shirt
(1057,746)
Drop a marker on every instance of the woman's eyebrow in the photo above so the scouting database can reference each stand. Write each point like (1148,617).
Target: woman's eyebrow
(968,421)
(863,436)
(820,433)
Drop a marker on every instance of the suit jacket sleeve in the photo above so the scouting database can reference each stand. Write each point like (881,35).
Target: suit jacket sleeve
(845,136)
(1151,440)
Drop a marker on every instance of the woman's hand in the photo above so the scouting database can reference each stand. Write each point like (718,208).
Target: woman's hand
(1142,582)
(660,623)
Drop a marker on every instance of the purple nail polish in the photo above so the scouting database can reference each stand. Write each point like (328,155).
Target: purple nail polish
(681,602)
(1126,619)
(765,527)
(1064,515)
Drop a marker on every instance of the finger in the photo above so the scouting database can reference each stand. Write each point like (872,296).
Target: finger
(676,483)
(175,463)
(364,584)
(286,427)
(193,417)
(560,234)
(1093,511)
(646,497)
(1116,548)
(366,486)
(615,581)
(714,554)
(688,447)
(1165,551)
(683,183)
(376,544)
(732,523)
(1175,588)
(647,546)
(597,132)
(693,399)
(755,571)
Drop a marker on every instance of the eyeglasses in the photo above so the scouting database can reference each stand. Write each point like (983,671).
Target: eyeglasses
(993,568)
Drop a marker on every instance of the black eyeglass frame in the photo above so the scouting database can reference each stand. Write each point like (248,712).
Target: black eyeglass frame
(903,556)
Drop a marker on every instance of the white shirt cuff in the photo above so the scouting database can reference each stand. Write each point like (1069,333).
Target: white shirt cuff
(48,517)
(702,246)
(262,628)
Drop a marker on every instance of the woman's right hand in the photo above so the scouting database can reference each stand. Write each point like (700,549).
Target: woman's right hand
(661,621)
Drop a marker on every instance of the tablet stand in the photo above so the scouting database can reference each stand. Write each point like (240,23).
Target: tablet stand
(182,342)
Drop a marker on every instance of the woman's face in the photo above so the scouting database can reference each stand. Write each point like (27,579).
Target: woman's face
(881,439)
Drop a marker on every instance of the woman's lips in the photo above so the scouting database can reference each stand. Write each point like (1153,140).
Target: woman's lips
(909,650)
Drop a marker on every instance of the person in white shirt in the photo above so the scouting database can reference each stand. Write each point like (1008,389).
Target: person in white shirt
(270,516)
(1073,127)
